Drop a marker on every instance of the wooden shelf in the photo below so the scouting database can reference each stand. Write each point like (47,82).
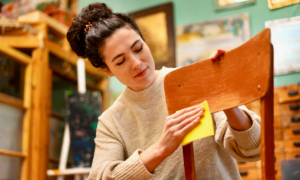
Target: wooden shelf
(12,153)
(15,102)
(55,27)
(47,43)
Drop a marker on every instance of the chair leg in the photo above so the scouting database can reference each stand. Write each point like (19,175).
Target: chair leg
(189,163)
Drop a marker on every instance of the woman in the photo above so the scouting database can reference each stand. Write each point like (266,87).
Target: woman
(136,139)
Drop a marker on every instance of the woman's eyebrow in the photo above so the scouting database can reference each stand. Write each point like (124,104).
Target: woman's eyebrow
(123,53)
(134,43)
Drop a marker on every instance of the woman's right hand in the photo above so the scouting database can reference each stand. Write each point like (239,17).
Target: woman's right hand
(176,127)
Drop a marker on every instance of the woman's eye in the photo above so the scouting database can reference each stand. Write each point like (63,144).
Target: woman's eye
(120,62)
(139,49)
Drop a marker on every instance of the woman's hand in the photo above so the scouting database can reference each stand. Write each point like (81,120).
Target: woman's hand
(217,53)
(237,119)
(176,127)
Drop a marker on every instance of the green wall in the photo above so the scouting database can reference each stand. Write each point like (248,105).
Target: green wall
(190,11)
(6,1)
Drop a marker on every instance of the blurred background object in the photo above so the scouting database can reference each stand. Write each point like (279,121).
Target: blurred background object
(60,10)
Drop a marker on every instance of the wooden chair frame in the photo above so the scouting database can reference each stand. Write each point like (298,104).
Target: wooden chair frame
(224,81)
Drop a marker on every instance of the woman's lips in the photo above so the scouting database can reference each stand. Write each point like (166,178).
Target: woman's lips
(142,73)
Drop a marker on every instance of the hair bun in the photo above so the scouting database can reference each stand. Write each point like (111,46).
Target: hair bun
(95,11)
(91,13)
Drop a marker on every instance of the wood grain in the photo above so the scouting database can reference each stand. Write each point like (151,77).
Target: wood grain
(40,115)
(17,42)
(237,78)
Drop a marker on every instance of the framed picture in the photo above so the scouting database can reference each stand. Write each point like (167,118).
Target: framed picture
(285,38)
(197,41)
(231,4)
(157,27)
(274,4)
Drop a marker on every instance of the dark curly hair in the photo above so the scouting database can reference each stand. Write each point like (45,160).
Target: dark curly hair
(88,44)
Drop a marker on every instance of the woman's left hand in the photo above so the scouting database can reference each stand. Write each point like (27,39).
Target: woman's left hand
(237,119)
(217,53)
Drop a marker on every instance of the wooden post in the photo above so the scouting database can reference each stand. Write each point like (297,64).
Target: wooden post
(103,85)
(26,122)
(40,115)
(189,164)
(267,129)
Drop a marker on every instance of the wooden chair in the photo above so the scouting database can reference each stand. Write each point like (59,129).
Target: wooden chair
(240,76)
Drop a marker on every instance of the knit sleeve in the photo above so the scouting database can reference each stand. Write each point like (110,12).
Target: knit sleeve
(242,145)
(109,161)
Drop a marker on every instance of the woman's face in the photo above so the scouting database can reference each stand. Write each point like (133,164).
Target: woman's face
(129,58)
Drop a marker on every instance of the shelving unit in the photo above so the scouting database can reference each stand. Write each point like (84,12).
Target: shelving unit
(286,132)
(45,53)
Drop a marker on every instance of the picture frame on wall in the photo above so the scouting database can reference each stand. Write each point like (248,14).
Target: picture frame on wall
(157,26)
(231,4)
(274,4)
(285,39)
(197,41)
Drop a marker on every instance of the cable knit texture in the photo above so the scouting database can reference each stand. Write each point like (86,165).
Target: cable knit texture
(136,120)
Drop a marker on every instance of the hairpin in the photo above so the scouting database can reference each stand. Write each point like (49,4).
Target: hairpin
(87,27)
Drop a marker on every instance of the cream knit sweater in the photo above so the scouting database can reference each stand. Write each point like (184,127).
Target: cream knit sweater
(136,120)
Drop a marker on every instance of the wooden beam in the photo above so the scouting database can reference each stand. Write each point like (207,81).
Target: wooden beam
(14,54)
(42,27)
(27,122)
(71,57)
(16,32)
(56,49)
(58,116)
(103,85)
(12,101)
(40,115)
(74,5)
(46,123)
(57,28)
(71,77)
(20,42)
(12,153)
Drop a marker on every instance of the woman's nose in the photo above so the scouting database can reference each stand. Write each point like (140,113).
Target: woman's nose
(136,63)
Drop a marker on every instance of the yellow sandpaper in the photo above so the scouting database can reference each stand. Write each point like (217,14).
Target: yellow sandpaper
(204,129)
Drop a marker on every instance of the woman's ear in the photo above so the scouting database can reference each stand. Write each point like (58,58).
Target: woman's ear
(108,71)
